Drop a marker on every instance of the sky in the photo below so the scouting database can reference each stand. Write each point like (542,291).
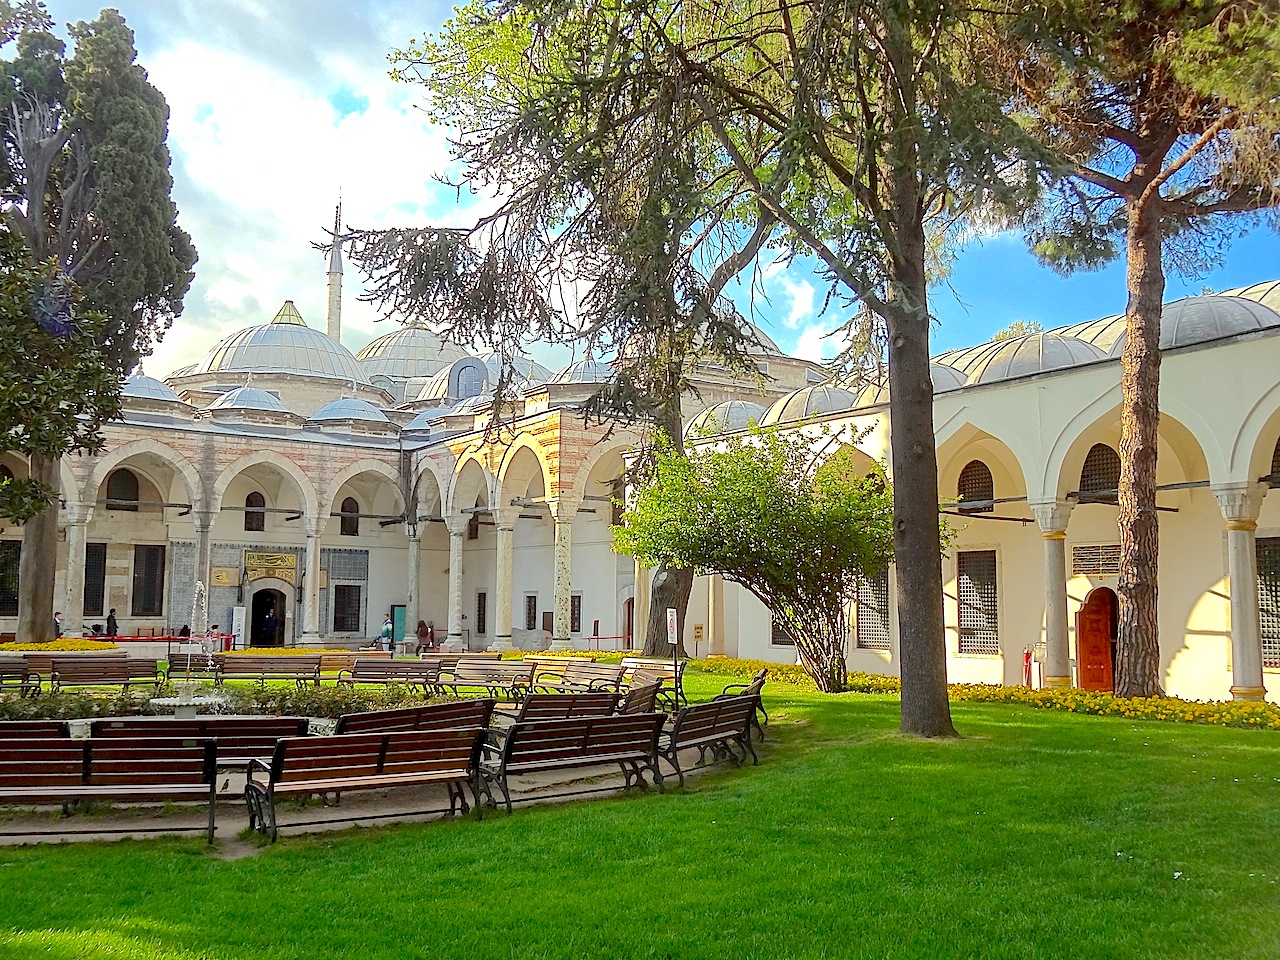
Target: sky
(277,107)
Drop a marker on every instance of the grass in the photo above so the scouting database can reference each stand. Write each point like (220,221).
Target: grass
(1038,835)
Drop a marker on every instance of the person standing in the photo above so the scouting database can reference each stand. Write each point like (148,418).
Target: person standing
(57,624)
(269,628)
(388,633)
(113,628)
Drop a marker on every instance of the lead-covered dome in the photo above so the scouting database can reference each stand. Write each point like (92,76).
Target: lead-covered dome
(809,402)
(286,345)
(1193,320)
(1267,294)
(530,371)
(248,398)
(411,351)
(725,417)
(348,408)
(942,376)
(1038,353)
(584,371)
(141,387)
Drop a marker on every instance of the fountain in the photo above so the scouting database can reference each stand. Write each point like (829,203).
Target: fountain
(199,610)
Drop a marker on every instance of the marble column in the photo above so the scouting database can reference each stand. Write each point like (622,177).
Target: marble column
(202,520)
(77,520)
(311,627)
(715,615)
(413,586)
(1240,504)
(562,512)
(1052,516)
(640,616)
(505,522)
(457,525)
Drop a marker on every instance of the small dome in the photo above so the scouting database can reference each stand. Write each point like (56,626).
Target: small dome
(584,371)
(1103,333)
(1038,353)
(1194,320)
(349,408)
(182,371)
(809,402)
(528,370)
(411,351)
(248,398)
(725,417)
(474,404)
(966,358)
(142,387)
(943,377)
(285,345)
(1267,294)
(422,423)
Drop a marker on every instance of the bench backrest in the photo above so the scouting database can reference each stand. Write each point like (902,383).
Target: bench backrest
(726,716)
(34,728)
(415,670)
(41,762)
(562,706)
(355,755)
(236,736)
(283,665)
(487,671)
(12,668)
(641,697)
(106,669)
(666,669)
(434,716)
(183,663)
(145,760)
(551,742)
(334,660)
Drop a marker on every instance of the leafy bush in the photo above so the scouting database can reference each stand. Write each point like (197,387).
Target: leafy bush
(332,701)
(70,706)
(60,644)
(778,672)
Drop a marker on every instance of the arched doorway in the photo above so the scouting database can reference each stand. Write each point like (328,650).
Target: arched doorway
(1096,627)
(267,619)
(629,622)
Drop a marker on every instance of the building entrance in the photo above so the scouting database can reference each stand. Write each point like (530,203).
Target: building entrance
(266,619)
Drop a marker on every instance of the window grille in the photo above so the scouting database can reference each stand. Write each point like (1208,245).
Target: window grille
(975,486)
(95,579)
(472,379)
(976,588)
(346,608)
(346,564)
(1275,460)
(871,625)
(148,580)
(10,557)
(575,613)
(1269,600)
(531,611)
(778,637)
(1101,472)
(349,519)
(1095,560)
(482,612)
(255,516)
(122,490)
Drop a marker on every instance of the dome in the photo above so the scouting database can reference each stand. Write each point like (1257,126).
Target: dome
(411,351)
(808,402)
(530,371)
(349,408)
(474,404)
(464,377)
(725,417)
(767,345)
(182,371)
(1037,353)
(966,358)
(248,398)
(1267,294)
(285,345)
(943,377)
(422,423)
(141,387)
(584,371)
(1103,333)
(1194,320)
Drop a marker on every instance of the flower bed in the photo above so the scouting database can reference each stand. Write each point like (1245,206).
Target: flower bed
(62,644)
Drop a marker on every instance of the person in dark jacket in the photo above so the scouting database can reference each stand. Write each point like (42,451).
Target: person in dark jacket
(113,628)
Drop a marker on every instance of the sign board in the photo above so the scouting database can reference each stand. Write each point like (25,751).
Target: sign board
(224,576)
(673,626)
(282,566)
(697,633)
(237,628)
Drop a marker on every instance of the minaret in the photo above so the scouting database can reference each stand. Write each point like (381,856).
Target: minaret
(334,319)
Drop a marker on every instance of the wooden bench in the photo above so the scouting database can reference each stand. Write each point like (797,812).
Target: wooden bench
(408,673)
(501,679)
(752,688)
(301,668)
(672,674)
(575,676)
(434,716)
(335,661)
(641,695)
(40,771)
(192,664)
(97,670)
(716,727)
(17,676)
(302,766)
(239,739)
(564,706)
(629,742)
(10,729)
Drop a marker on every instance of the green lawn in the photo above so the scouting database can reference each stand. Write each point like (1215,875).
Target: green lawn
(1038,835)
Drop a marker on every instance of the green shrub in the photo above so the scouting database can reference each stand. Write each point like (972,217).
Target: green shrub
(328,701)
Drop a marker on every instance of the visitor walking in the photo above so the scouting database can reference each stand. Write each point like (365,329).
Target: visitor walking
(57,624)
(113,628)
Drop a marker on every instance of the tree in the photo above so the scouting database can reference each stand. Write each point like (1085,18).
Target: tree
(86,186)
(757,510)
(1019,328)
(1165,119)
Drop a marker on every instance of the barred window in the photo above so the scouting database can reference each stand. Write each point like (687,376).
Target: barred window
(346,608)
(575,613)
(148,580)
(778,636)
(976,589)
(255,515)
(1095,560)
(95,579)
(1101,473)
(871,625)
(482,612)
(1275,461)
(10,557)
(976,487)
(349,518)
(531,611)
(1269,600)
(122,490)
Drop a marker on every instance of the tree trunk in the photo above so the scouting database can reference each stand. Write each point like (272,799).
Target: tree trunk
(671,588)
(1138,643)
(39,561)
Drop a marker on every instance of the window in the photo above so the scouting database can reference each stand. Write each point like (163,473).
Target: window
(148,581)
(1095,560)
(95,579)
(1100,474)
(255,516)
(349,518)
(10,555)
(1269,600)
(871,629)
(473,527)
(346,608)
(777,635)
(122,490)
(575,613)
(976,588)
(472,379)
(531,611)
(482,612)
(1275,463)
(976,487)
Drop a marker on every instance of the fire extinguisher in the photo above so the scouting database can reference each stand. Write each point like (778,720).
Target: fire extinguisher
(1026,668)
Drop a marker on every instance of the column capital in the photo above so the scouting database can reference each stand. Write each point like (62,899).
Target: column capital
(1052,515)
(313,526)
(457,523)
(202,520)
(1240,503)
(78,513)
(504,518)
(564,509)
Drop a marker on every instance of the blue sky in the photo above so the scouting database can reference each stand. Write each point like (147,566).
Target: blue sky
(277,105)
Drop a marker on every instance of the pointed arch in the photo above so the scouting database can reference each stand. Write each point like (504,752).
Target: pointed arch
(351,471)
(140,449)
(307,497)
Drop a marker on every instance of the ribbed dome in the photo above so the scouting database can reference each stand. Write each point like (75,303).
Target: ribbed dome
(1023,356)
(474,404)
(182,371)
(349,408)
(247,398)
(1267,294)
(530,371)
(808,402)
(1103,333)
(943,377)
(725,417)
(142,387)
(411,351)
(422,423)
(584,371)
(1194,320)
(285,345)
(965,359)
